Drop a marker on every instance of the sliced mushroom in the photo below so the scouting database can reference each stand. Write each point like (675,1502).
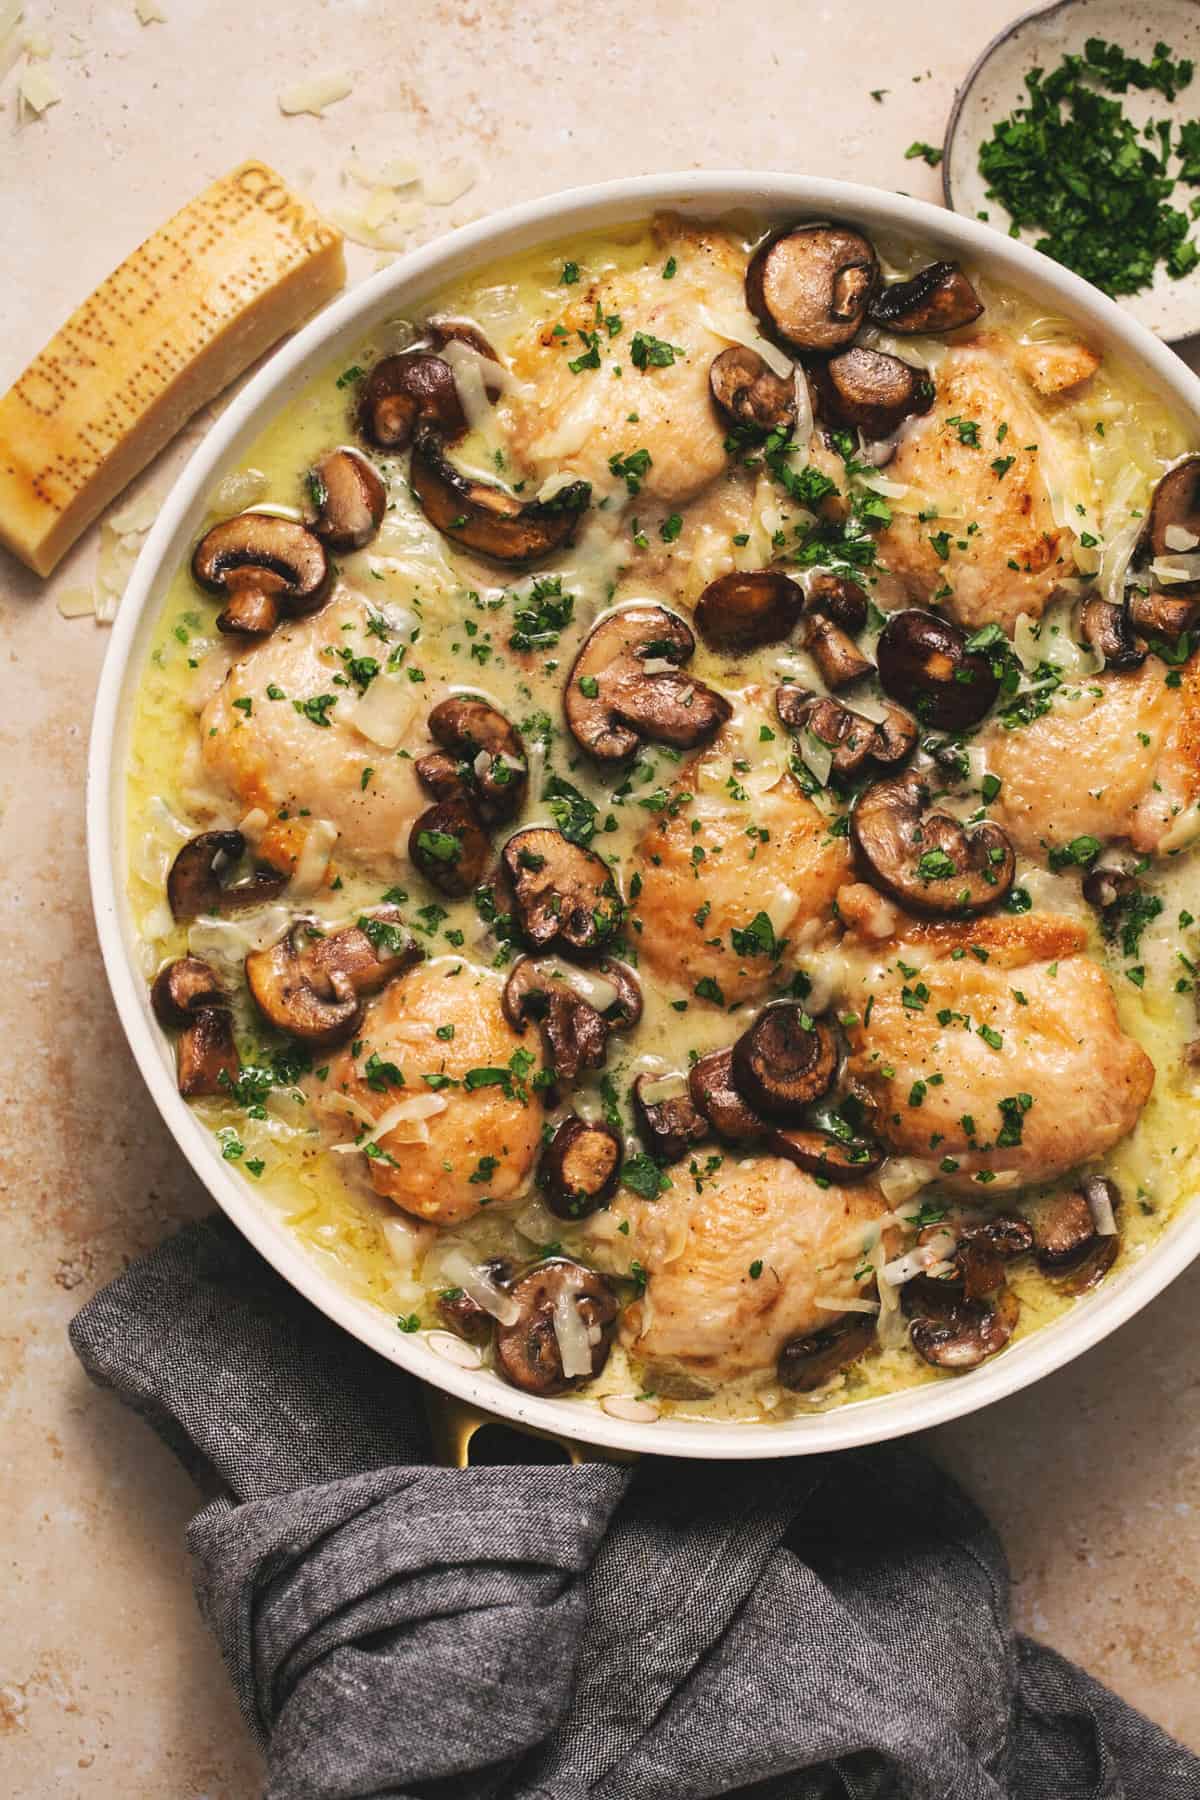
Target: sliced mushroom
(261,567)
(486,759)
(811,286)
(749,393)
(854,740)
(1068,1245)
(936,298)
(450,847)
(1109,883)
(562,893)
(575,1033)
(925,664)
(928,861)
(402,391)
(868,391)
(984,1249)
(530,1352)
(626,687)
(580,1167)
(670,1124)
(715,1094)
(367,955)
(465,1315)
(841,599)
(206,1058)
(349,497)
(183,988)
(282,987)
(839,1159)
(952,1332)
(486,519)
(809,1362)
(196,883)
(836,655)
(1109,629)
(784,1061)
(744,610)
(1174,509)
(1164,615)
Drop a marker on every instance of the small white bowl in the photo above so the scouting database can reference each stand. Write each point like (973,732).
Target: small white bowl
(340,327)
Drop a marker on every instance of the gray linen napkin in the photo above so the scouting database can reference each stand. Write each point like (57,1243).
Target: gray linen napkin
(831,1626)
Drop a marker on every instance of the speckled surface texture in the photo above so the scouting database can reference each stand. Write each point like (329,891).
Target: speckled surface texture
(108,1683)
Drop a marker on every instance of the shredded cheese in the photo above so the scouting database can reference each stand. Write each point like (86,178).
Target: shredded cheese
(315,95)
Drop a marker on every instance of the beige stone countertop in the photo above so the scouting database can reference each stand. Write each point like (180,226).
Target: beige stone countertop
(108,1682)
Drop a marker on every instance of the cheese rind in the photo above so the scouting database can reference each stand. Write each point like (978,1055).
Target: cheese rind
(235,270)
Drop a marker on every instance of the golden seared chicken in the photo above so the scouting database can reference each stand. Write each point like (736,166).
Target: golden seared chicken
(704,1313)
(452,1145)
(576,421)
(273,757)
(1002,1065)
(983,457)
(1116,756)
(736,839)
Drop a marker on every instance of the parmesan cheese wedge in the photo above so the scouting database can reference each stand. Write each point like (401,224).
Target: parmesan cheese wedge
(239,267)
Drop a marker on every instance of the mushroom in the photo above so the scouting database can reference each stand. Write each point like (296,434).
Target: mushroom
(564,1329)
(281,981)
(196,882)
(746,609)
(418,387)
(463,1314)
(261,567)
(580,1167)
(368,955)
(951,1332)
(1174,518)
(487,519)
(668,1120)
(749,393)
(1164,615)
(626,686)
(840,1159)
(206,1058)
(1111,880)
(1109,629)
(854,740)
(485,761)
(841,599)
(574,1031)
(349,499)
(936,298)
(809,1362)
(183,988)
(562,893)
(450,847)
(983,1249)
(928,861)
(836,655)
(811,286)
(868,391)
(714,1093)
(784,1061)
(1067,1241)
(924,662)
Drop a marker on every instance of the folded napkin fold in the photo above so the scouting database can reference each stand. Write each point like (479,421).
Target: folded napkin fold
(833,1626)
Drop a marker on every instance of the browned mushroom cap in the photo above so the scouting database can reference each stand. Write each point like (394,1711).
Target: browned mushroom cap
(367,955)
(808,1362)
(196,883)
(401,391)
(985,1248)
(838,657)
(486,519)
(743,610)
(1164,615)
(626,686)
(841,599)
(1067,1241)
(715,1094)
(487,758)
(261,566)
(937,298)
(466,1316)
(749,393)
(444,329)
(1175,507)
(868,391)
(839,1159)
(529,1353)
(450,847)
(784,1061)
(580,1167)
(282,987)
(562,893)
(183,988)
(1107,884)
(853,739)
(670,1124)
(928,861)
(206,1058)
(349,497)
(952,1332)
(924,663)
(811,286)
(1109,629)
(575,1032)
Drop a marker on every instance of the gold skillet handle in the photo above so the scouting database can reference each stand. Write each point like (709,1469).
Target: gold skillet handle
(453,1423)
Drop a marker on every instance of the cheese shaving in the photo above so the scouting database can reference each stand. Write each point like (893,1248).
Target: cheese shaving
(397,173)
(448,184)
(314,95)
(10,42)
(149,12)
(76,602)
(385,711)
(37,90)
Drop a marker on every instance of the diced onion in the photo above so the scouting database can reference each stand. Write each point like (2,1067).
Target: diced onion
(384,713)
(920,1259)
(406,1240)
(805,424)
(239,491)
(313,861)
(671,1087)
(571,1335)
(832,1303)
(1102,1209)
(816,756)
(904,1176)
(458,1270)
